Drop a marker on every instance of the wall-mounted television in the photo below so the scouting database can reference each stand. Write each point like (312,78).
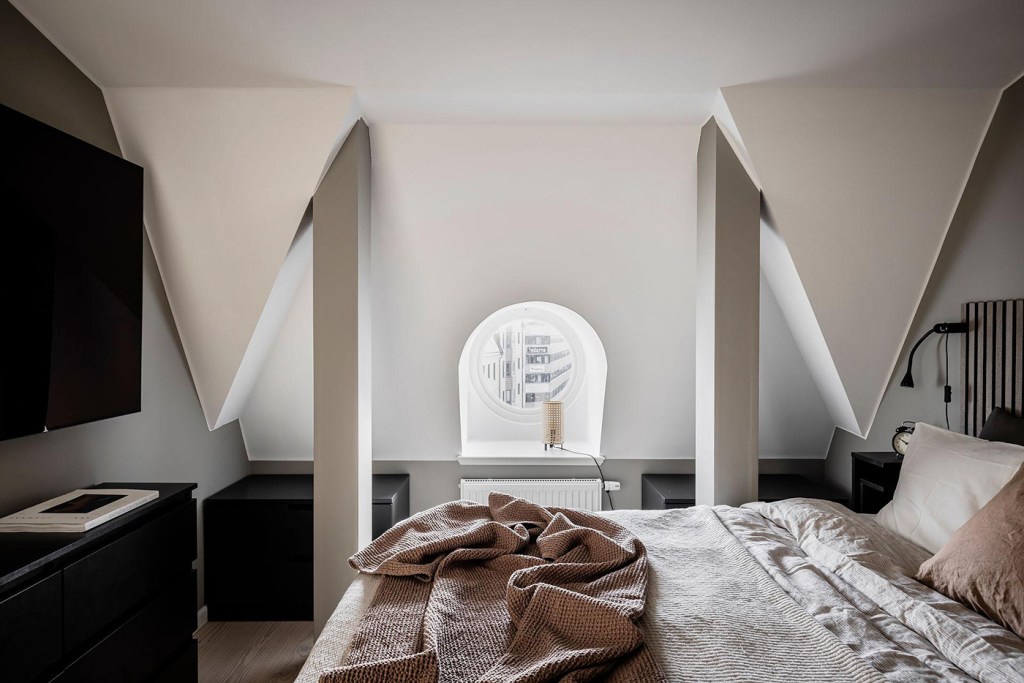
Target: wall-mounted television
(70,280)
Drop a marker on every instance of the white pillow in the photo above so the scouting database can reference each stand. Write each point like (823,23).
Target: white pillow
(945,479)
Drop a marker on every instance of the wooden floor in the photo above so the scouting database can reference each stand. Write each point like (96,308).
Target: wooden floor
(253,651)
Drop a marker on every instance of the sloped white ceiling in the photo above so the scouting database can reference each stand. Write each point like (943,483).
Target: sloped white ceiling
(229,174)
(861,185)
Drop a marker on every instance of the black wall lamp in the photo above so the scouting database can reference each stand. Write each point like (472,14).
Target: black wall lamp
(940,328)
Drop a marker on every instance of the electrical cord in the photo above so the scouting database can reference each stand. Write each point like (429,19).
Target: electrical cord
(599,471)
(947,391)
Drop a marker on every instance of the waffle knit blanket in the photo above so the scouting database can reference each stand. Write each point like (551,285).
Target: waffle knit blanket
(508,592)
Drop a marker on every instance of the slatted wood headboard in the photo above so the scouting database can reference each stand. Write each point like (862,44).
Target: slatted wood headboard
(991,361)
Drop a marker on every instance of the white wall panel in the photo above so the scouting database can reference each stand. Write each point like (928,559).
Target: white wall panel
(469,219)
(793,421)
(277,422)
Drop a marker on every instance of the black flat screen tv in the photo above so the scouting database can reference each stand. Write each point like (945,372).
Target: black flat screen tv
(70,280)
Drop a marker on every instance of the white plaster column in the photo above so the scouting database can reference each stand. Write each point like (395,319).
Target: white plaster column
(342,456)
(728,300)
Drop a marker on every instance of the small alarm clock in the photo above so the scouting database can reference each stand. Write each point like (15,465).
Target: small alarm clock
(901,439)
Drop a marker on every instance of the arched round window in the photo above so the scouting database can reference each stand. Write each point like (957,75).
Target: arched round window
(514,360)
(523,362)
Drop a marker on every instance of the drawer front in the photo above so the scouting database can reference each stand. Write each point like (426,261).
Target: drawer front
(144,645)
(383,518)
(104,587)
(258,528)
(30,630)
(265,589)
(872,496)
(184,668)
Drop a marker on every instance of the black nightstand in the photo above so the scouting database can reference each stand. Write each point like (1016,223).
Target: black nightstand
(259,533)
(874,479)
(390,501)
(667,491)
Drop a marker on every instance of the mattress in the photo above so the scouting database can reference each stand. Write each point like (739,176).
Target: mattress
(799,590)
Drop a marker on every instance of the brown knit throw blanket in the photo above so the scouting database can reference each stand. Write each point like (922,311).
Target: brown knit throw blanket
(508,592)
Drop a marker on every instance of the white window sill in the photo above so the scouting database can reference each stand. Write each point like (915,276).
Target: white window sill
(549,458)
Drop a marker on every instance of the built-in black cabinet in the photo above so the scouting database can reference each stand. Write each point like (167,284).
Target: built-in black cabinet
(258,532)
(390,501)
(667,491)
(874,479)
(114,604)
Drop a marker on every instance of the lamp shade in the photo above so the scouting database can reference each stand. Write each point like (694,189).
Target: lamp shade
(551,423)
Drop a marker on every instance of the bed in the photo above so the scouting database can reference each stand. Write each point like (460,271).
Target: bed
(800,590)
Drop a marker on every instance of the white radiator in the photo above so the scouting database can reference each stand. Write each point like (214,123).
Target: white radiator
(570,493)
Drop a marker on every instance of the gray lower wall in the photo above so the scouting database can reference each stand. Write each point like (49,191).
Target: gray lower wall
(168,440)
(433,482)
(982,259)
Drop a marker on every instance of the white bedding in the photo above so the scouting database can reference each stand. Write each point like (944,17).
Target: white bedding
(793,591)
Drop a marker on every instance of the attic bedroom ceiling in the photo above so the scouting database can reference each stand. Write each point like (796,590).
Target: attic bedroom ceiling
(571,60)
(219,98)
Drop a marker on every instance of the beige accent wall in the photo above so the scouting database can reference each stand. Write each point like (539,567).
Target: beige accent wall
(728,305)
(168,440)
(342,458)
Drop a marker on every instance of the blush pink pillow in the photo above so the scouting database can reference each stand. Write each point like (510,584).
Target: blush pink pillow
(982,565)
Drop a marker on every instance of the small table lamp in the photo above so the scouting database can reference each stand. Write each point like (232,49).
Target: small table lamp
(551,424)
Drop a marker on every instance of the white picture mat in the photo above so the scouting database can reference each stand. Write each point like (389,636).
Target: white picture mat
(35,516)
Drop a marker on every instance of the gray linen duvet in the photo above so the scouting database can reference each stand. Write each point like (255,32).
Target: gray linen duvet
(800,590)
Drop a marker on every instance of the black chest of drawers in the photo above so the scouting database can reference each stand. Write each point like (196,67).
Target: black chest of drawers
(114,604)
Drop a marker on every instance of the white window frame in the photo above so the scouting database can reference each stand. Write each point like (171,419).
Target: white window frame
(496,433)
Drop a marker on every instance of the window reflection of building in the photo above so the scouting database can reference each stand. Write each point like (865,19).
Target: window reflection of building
(526,363)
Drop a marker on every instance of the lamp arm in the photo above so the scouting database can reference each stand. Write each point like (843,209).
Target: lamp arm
(940,328)
(908,379)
